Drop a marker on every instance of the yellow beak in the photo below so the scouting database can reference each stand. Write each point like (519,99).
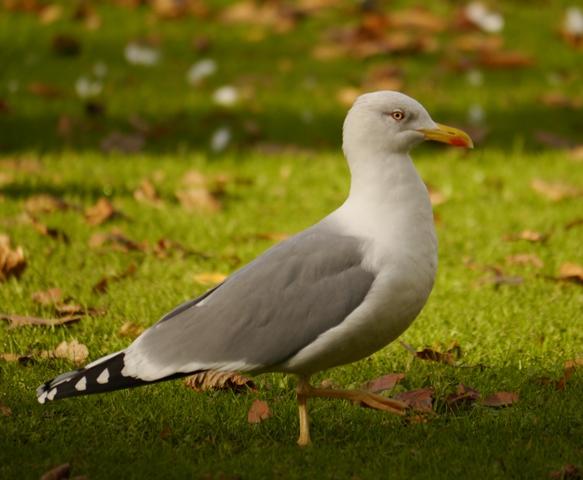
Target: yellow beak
(450,135)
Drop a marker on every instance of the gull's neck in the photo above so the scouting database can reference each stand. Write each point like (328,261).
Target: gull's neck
(388,204)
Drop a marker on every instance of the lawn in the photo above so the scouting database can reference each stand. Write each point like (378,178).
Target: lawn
(498,294)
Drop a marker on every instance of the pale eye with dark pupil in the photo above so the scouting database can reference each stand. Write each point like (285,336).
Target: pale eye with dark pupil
(397,115)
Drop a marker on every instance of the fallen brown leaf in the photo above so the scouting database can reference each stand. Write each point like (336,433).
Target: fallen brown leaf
(101,212)
(500,399)
(47,297)
(50,14)
(560,100)
(198,199)
(73,351)
(420,400)
(386,382)
(102,285)
(577,222)
(567,472)
(72,309)
(57,473)
(5,410)
(555,191)
(478,42)
(528,235)
(435,196)
(51,232)
(525,259)
(210,278)
(215,380)
(45,204)
(147,193)
(501,60)
(258,412)
(21,321)
(12,262)
(417,18)
(447,357)
(130,329)
(463,397)
(14,357)
(571,272)
(117,241)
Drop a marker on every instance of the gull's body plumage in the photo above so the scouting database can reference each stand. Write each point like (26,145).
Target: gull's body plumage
(332,294)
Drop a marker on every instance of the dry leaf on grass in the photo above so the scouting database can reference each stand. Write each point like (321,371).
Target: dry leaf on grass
(420,400)
(130,329)
(435,196)
(101,212)
(567,472)
(448,357)
(14,357)
(555,191)
(5,410)
(147,193)
(386,382)
(48,231)
(12,262)
(198,199)
(21,320)
(57,473)
(209,278)
(117,241)
(463,397)
(73,351)
(417,18)
(528,259)
(214,380)
(45,204)
(70,309)
(571,272)
(500,399)
(527,235)
(102,285)
(501,60)
(258,412)
(47,297)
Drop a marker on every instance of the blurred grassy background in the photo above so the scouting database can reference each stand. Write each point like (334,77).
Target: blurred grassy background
(287,71)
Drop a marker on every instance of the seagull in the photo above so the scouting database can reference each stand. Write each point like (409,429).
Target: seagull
(330,295)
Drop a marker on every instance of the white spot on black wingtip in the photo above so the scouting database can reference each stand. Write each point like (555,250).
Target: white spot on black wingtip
(81,384)
(42,397)
(103,377)
(51,394)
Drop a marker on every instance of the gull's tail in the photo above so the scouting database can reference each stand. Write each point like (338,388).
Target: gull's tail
(103,375)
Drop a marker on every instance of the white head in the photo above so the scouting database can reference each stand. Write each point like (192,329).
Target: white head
(388,122)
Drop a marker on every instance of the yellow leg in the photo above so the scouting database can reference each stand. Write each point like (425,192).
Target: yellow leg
(372,400)
(304,438)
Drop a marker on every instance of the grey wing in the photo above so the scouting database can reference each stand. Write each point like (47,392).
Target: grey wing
(262,314)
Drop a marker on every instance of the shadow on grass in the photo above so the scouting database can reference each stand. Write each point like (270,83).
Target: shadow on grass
(192,130)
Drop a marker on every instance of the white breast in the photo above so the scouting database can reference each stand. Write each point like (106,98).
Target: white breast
(400,247)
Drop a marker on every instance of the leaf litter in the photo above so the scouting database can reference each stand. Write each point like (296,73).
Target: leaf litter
(12,261)
(24,320)
(213,380)
(258,412)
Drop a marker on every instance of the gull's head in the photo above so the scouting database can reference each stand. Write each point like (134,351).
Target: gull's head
(390,122)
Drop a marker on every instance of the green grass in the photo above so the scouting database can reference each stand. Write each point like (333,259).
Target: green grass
(510,335)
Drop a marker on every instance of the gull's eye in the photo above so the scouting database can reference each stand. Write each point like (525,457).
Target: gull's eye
(398,115)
